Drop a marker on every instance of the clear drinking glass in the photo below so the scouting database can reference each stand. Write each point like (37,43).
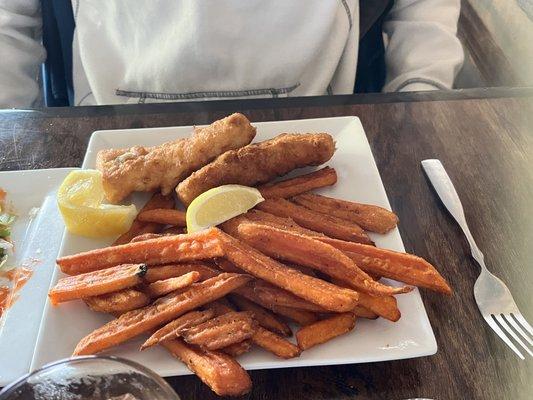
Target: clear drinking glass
(90,377)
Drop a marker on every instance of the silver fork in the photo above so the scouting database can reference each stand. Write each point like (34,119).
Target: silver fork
(492,296)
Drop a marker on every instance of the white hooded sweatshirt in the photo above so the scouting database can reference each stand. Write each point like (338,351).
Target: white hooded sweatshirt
(131,51)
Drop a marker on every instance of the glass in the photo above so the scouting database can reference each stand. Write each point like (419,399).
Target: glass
(90,377)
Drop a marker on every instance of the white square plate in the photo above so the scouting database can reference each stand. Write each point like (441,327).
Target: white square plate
(359,180)
(37,239)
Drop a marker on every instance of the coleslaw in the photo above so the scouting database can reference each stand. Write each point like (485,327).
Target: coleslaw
(6,220)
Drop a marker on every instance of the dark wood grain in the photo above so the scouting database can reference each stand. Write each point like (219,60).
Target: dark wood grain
(486,144)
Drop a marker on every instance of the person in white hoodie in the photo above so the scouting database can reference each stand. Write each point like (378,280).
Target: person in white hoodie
(135,51)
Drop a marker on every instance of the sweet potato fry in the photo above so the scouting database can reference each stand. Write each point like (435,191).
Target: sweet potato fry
(301,317)
(163,287)
(325,330)
(301,184)
(220,307)
(217,370)
(96,283)
(237,349)
(222,331)
(268,219)
(363,312)
(162,272)
(270,294)
(163,310)
(402,267)
(145,236)
(327,224)
(265,294)
(137,227)
(227,266)
(369,217)
(118,302)
(314,290)
(173,328)
(164,216)
(383,306)
(264,317)
(173,230)
(309,252)
(275,344)
(163,250)
(262,337)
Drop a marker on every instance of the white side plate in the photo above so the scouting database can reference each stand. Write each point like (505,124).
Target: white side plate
(37,241)
(359,180)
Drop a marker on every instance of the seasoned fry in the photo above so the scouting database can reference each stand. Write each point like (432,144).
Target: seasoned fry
(222,331)
(301,317)
(301,184)
(325,330)
(220,307)
(145,236)
(96,283)
(163,216)
(237,349)
(173,328)
(262,337)
(275,344)
(402,267)
(163,272)
(267,219)
(163,250)
(118,302)
(137,227)
(363,312)
(270,294)
(327,224)
(383,306)
(264,317)
(165,309)
(217,370)
(163,287)
(369,217)
(227,266)
(312,253)
(259,163)
(173,230)
(314,290)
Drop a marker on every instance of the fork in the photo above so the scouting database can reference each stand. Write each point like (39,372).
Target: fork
(493,298)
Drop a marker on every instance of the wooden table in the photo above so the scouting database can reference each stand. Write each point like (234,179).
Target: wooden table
(485,140)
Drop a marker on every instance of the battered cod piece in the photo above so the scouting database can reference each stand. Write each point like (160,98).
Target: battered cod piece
(259,163)
(149,168)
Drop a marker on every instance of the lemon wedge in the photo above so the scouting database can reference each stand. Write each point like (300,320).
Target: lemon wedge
(220,204)
(80,199)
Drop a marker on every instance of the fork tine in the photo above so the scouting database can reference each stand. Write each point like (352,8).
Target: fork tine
(502,336)
(524,323)
(511,320)
(503,323)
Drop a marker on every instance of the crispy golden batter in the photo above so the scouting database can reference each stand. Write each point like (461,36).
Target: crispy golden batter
(259,163)
(149,168)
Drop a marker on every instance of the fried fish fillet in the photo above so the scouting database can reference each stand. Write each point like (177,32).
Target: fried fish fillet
(259,163)
(149,168)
